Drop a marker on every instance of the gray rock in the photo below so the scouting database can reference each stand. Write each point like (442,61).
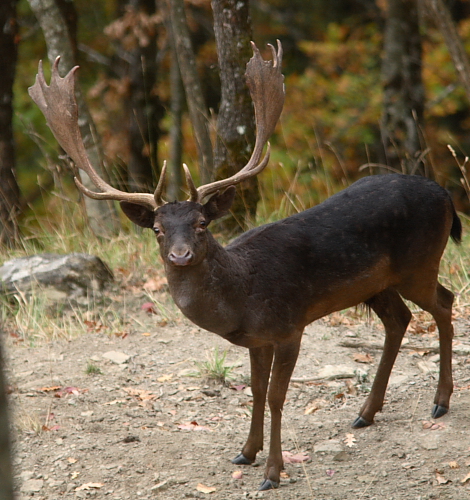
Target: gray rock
(32,485)
(116,357)
(330,446)
(59,276)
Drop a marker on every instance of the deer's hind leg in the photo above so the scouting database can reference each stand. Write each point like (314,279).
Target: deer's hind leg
(437,300)
(395,315)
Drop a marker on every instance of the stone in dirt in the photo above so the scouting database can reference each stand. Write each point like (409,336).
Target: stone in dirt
(32,486)
(117,357)
(60,277)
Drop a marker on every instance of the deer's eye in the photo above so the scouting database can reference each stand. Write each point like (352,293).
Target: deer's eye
(157,230)
(201,226)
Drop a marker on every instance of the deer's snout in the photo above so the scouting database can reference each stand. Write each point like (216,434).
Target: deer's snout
(180,257)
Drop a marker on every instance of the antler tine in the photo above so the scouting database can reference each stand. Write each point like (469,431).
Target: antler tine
(193,192)
(266,84)
(59,106)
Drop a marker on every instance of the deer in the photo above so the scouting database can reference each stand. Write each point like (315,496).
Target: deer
(377,242)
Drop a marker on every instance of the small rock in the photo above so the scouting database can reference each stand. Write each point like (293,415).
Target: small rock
(398,380)
(32,486)
(330,446)
(331,372)
(116,357)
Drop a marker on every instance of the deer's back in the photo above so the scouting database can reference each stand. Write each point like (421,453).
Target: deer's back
(372,235)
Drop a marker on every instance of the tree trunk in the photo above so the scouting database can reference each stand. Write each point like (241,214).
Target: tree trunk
(101,214)
(235,122)
(441,16)
(403,89)
(192,85)
(6,478)
(9,191)
(144,109)
(175,180)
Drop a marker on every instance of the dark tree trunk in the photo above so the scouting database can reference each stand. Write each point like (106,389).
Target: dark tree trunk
(403,89)
(6,479)
(176,134)
(235,121)
(192,85)
(144,109)
(9,191)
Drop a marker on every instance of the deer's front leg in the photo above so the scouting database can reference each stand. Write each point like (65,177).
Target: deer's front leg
(261,359)
(285,357)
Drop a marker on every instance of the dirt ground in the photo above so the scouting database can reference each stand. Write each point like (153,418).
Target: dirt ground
(146,427)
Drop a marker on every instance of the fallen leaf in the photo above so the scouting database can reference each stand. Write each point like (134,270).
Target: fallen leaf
(238,474)
(441,479)
(148,307)
(205,489)
(238,387)
(298,458)
(193,426)
(155,284)
(283,474)
(165,378)
(71,460)
(350,440)
(141,394)
(454,465)
(363,358)
(433,426)
(466,478)
(330,472)
(89,486)
(49,389)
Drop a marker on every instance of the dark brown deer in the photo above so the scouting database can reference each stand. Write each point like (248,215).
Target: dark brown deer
(377,241)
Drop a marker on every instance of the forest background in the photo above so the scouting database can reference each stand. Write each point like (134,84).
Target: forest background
(371,87)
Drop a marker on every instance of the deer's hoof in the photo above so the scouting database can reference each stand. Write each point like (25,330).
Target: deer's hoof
(267,484)
(439,411)
(360,422)
(241,460)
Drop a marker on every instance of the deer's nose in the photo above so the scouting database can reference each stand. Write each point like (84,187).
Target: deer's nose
(180,258)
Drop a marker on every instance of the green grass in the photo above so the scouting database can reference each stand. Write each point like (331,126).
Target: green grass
(215,369)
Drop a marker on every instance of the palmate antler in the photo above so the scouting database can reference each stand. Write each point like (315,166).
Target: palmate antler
(59,106)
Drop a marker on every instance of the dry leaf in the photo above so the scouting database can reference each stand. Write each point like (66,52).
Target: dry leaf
(49,389)
(350,440)
(363,358)
(283,475)
(433,426)
(71,460)
(454,465)
(89,486)
(205,489)
(466,478)
(441,479)
(155,284)
(165,378)
(238,474)
(298,458)
(193,426)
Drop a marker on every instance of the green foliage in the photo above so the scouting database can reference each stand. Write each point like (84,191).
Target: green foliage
(92,369)
(214,368)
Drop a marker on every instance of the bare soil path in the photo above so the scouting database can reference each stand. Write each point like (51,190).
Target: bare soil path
(145,428)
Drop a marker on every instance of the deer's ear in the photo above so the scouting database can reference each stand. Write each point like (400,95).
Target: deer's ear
(142,216)
(219,204)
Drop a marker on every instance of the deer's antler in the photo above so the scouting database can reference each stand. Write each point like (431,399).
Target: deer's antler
(58,104)
(266,83)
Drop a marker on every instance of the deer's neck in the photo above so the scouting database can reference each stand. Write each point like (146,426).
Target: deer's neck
(210,293)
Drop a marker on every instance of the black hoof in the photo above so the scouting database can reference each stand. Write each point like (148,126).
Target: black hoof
(241,460)
(267,484)
(439,411)
(360,422)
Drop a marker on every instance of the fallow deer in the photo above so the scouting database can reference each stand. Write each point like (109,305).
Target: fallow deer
(376,242)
